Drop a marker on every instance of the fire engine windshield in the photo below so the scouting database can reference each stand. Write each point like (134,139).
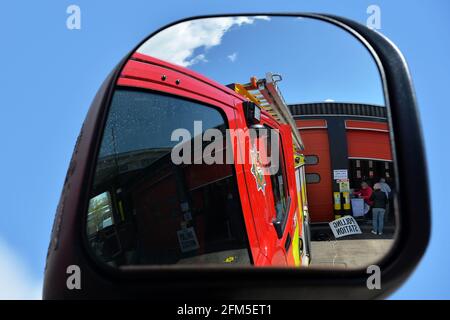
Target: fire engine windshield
(146,209)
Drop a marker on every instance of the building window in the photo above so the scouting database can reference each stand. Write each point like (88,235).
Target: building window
(311,160)
(312,178)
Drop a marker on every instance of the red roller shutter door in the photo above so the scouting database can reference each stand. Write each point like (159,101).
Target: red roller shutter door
(320,197)
(368,140)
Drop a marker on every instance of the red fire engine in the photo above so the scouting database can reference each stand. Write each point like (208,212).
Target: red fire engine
(274,207)
(146,210)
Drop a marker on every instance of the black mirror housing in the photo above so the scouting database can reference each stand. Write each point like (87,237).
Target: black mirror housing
(68,243)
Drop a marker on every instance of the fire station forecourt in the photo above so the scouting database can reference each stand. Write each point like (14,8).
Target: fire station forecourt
(352,251)
(195,44)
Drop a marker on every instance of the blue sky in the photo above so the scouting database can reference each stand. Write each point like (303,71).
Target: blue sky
(50,75)
(317,60)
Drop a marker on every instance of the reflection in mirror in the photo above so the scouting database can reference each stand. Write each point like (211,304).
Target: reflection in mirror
(242,141)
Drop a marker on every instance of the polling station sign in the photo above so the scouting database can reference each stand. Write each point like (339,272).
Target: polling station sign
(344,226)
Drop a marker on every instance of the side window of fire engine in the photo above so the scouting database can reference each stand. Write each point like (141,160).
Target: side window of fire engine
(278,181)
(164,206)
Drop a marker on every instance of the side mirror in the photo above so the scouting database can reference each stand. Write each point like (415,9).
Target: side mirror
(156,199)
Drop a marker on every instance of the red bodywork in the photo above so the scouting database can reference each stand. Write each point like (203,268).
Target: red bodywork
(258,208)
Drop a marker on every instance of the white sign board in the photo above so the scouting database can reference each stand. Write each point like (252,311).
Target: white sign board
(344,226)
(187,239)
(344,185)
(340,174)
(357,207)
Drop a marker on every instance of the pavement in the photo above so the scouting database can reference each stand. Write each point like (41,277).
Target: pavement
(351,252)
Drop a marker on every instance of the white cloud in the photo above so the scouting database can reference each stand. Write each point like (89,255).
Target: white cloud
(197,58)
(266,18)
(232,57)
(178,43)
(15,279)
(329,100)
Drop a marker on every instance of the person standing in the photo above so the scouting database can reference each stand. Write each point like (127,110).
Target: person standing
(385,187)
(379,200)
(388,191)
(365,193)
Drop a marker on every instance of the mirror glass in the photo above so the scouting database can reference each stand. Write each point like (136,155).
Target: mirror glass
(245,141)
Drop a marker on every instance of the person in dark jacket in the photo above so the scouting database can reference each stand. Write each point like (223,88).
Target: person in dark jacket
(379,200)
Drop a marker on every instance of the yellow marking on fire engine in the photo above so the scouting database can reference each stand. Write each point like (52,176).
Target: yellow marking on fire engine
(229,259)
(242,91)
(295,246)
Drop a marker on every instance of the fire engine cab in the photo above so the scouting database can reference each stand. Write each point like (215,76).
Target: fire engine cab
(144,209)
(209,213)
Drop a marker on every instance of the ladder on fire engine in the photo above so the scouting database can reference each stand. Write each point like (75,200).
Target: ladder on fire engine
(265,93)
